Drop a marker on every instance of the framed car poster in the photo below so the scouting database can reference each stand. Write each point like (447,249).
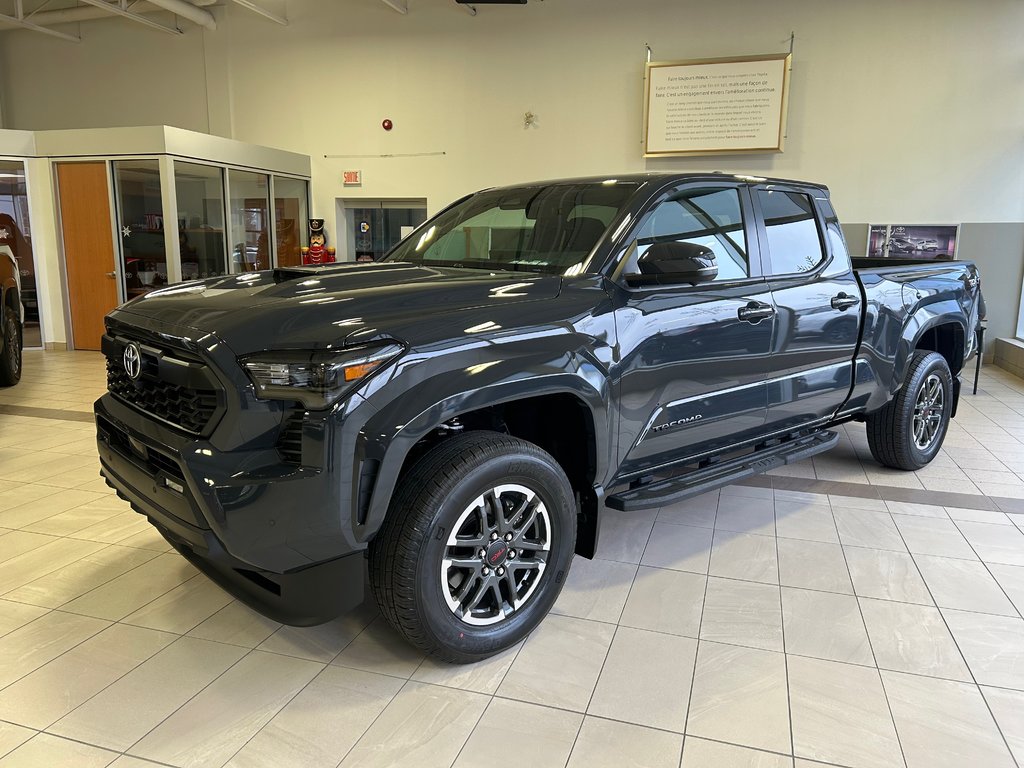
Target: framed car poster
(914,241)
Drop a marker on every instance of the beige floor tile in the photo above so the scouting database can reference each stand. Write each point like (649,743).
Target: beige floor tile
(134,589)
(1008,709)
(126,711)
(115,528)
(424,725)
(665,601)
(380,649)
(221,719)
(49,502)
(918,510)
(746,515)
(744,556)
(699,511)
(65,584)
(183,608)
(995,544)
(14,615)
(886,575)
(44,696)
(237,624)
(596,589)
(912,638)
(16,543)
(865,528)
(680,547)
(701,753)
(825,625)
(1011,579)
(31,646)
(992,645)
(963,584)
(481,676)
(813,565)
(56,554)
(857,502)
(796,519)
(552,733)
(739,696)
(742,613)
(559,663)
(610,744)
(46,751)
(127,761)
(840,715)
(931,536)
(13,736)
(944,724)
(322,723)
(646,680)
(624,534)
(978,516)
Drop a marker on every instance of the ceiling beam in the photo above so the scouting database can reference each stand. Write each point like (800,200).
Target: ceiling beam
(117,10)
(263,12)
(402,6)
(37,28)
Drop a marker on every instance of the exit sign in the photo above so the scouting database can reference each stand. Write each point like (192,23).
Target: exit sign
(352,178)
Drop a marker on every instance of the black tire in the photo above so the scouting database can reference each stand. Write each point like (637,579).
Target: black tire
(10,358)
(893,431)
(408,554)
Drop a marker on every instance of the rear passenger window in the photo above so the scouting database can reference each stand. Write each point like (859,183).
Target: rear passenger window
(711,218)
(794,243)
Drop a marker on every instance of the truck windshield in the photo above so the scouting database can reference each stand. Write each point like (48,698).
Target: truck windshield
(549,228)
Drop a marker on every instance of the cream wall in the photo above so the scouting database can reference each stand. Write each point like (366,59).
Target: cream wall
(911,110)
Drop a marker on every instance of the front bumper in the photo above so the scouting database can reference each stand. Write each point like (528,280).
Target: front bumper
(269,534)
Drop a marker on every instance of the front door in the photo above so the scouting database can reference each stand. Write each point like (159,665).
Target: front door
(818,302)
(88,248)
(693,358)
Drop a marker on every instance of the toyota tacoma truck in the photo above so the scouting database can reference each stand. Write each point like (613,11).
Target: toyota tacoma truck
(447,426)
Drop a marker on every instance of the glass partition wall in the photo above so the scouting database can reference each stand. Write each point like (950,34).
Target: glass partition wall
(140,223)
(199,190)
(16,235)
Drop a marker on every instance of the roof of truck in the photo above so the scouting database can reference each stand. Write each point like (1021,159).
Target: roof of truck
(669,177)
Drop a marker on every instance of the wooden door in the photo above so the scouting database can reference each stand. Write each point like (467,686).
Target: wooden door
(89,255)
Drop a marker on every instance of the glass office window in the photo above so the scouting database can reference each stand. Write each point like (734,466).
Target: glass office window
(250,221)
(200,195)
(291,216)
(16,235)
(141,225)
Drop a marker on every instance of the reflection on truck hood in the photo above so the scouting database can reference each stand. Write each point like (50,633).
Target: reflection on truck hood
(317,308)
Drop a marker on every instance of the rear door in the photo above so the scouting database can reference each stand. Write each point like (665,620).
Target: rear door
(693,358)
(818,305)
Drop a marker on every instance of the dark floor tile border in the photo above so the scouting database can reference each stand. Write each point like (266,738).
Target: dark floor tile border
(46,413)
(888,493)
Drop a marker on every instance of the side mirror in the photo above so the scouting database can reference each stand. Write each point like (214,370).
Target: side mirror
(671,262)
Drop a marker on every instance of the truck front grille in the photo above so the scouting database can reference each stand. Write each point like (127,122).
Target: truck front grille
(289,442)
(172,386)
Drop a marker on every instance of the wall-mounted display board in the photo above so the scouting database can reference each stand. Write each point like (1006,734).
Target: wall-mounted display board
(913,241)
(716,106)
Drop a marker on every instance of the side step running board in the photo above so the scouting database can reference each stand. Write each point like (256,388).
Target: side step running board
(662,492)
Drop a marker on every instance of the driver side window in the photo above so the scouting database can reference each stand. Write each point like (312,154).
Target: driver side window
(707,217)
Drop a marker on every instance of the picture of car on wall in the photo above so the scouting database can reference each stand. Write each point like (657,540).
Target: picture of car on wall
(913,241)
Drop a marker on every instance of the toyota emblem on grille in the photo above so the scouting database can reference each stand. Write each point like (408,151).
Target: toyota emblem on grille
(132,360)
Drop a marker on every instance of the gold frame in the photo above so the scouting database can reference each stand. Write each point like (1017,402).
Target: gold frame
(787,58)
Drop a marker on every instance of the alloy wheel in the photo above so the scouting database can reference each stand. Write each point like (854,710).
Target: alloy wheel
(928,411)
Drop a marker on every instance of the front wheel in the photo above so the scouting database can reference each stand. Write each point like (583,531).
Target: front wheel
(908,432)
(475,547)
(10,360)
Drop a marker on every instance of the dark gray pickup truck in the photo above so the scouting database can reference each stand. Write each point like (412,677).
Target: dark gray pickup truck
(453,419)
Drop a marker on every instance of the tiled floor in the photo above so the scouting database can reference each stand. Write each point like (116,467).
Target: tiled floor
(760,626)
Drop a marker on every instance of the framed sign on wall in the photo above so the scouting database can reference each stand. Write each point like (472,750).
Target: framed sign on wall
(716,106)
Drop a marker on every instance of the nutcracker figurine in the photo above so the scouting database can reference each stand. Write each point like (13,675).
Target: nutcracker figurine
(317,252)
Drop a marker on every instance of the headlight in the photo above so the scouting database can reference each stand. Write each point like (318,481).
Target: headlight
(316,379)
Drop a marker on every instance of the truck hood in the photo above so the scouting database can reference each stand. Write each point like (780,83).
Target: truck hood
(315,308)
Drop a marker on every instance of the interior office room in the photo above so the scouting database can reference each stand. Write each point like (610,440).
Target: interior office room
(263,379)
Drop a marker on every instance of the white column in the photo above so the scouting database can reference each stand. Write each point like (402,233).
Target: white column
(46,252)
(169,199)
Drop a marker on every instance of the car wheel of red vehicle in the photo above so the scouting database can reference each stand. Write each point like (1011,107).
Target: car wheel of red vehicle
(908,432)
(10,360)
(475,547)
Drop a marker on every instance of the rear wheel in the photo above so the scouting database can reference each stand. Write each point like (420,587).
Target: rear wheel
(475,547)
(908,432)
(10,360)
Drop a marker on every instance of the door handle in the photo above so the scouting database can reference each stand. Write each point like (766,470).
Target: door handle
(755,312)
(112,275)
(842,302)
